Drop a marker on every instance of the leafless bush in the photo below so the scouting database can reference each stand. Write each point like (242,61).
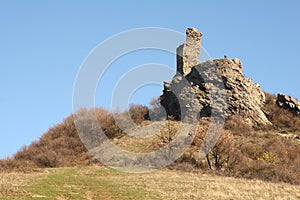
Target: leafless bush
(237,126)
(281,118)
(138,113)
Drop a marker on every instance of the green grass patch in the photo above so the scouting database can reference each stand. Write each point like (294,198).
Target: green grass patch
(80,183)
(102,183)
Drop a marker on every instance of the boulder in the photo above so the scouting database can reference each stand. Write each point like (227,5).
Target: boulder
(288,102)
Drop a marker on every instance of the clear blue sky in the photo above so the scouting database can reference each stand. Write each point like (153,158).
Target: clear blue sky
(43,43)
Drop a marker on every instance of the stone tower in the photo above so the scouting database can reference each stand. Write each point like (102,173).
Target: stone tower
(242,98)
(188,53)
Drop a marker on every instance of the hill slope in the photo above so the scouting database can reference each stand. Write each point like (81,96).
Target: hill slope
(260,138)
(269,153)
(103,183)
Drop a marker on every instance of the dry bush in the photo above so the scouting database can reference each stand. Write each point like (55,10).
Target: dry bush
(138,113)
(239,151)
(272,158)
(222,156)
(108,124)
(263,155)
(169,131)
(63,146)
(190,158)
(11,164)
(281,118)
(93,123)
(60,146)
(237,126)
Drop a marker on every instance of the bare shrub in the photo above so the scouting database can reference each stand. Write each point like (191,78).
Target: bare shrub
(223,156)
(60,146)
(11,164)
(281,118)
(237,126)
(138,113)
(270,157)
(240,150)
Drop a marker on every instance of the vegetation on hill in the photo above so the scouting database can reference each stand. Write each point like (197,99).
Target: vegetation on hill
(267,153)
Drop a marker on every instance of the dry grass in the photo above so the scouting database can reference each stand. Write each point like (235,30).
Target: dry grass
(183,185)
(14,183)
(102,183)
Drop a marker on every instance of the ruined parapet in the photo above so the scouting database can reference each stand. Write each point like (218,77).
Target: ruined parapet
(188,53)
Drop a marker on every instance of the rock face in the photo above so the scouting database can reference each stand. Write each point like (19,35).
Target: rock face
(288,102)
(215,88)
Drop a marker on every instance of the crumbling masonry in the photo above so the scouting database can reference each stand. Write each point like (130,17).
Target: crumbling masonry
(191,89)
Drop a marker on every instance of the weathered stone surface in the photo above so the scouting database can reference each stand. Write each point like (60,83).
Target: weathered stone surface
(215,88)
(244,98)
(288,102)
(188,53)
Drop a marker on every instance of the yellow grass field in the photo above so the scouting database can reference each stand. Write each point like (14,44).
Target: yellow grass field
(103,183)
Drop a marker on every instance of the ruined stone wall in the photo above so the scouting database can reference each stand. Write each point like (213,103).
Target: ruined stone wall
(243,98)
(188,53)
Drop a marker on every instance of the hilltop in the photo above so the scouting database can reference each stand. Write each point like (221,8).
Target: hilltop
(260,139)
(214,88)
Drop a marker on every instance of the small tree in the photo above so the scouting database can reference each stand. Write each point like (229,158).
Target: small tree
(138,113)
(169,131)
(223,155)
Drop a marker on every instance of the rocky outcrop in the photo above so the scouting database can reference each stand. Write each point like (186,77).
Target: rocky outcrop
(288,102)
(215,88)
(244,97)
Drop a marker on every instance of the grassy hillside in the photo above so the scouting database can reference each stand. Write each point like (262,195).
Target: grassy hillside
(265,153)
(102,183)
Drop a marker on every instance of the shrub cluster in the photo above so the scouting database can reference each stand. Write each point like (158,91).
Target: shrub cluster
(240,150)
(256,154)
(282,119)
(60,146)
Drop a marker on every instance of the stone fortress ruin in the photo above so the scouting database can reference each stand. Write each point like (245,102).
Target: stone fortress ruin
(243,97)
